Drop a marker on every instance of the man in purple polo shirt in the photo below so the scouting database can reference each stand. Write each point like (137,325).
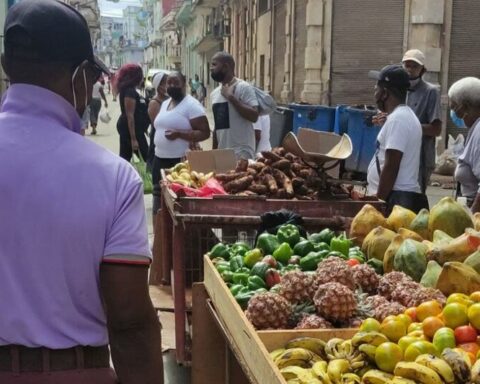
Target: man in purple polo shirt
(74,253)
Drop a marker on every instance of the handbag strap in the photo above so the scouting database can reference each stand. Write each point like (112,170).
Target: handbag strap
(377,161)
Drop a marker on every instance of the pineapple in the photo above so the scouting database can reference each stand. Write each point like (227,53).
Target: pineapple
(426,294)
(336,270)
(387,309)
(405,293)
(335,302)
(313,322)
(295,286)
(375,301)
(366,278)
(354,322)
(268,311)
(389,282)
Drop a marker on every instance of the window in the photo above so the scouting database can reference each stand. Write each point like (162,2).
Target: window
(263,6)
(262,71)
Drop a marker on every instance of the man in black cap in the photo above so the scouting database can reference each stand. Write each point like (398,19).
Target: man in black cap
(393,171)
(73,270)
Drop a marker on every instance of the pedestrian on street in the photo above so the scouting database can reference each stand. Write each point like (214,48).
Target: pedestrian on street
(393,172)
(73,269)
(464,98)
(179,125)
(235,108)
(133,122)
(98,95)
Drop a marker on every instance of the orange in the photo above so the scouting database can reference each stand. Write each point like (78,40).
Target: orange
(475,296)
(393,329)
(472,348)
(428,308)
(412,312)
(474,315)
(431,325)
(455,315)
(419,348)
(387,355)
(415,327)
(405,318)
(459,298)
(389,318)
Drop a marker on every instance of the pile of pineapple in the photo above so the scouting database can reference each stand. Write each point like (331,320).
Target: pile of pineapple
(336,295)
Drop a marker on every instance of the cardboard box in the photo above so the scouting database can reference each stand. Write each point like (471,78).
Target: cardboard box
(217,160)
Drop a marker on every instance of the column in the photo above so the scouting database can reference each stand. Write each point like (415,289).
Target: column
(286,95)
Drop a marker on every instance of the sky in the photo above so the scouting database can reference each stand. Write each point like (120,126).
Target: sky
(109,8)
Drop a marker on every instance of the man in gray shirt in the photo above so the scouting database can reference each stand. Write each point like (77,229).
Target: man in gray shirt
(424,99)
(235,108)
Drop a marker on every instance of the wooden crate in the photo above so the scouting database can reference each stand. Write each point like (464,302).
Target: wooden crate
(253,346)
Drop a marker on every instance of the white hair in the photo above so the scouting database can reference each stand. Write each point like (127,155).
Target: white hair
(465,92)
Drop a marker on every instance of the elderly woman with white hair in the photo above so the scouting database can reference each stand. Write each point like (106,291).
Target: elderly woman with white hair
(464,97)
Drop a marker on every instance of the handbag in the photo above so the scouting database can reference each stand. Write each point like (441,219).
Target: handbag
(141,167)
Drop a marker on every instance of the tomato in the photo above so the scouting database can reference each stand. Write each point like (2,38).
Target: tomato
(472,348)
(387,355)
(474,315)
(370,325)
(459,298)
(352,262)
(428,308)
(475,296)
(455,315)
(431,325)
(465,334)
(444,338)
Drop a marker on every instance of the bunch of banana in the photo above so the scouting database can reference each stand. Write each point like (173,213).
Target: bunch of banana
(182,174)
(372,338)
(296,357)
(375,376)
(313,344)
(439,365)
(417,372)
(337,348)
(459,364)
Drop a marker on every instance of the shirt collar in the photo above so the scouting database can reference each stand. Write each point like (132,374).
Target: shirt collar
(31,100)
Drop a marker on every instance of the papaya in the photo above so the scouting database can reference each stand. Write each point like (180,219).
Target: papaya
(410,259)
(408,234)
(431,275)
(366,219)
(473,261)
(420,224)
(389,256)
(441,238)
(476,221)
(457,249)
(450,217)
(458,278)
(377,242)
(400,218)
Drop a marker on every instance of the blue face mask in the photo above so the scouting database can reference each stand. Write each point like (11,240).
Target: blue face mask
(457,120)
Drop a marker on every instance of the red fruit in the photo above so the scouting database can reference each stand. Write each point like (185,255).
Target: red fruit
(294,260)
(270,260)
(352,262)
(465,334)
(272,277)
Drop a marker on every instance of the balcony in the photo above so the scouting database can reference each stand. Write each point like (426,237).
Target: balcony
(173,53)
(214,35)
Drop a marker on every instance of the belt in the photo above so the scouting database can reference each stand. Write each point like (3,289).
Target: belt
(17,358)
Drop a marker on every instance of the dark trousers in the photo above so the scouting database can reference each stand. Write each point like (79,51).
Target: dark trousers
(410,200)
(159,164)
(126,142)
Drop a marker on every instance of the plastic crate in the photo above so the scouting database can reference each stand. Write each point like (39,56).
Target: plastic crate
(317,117)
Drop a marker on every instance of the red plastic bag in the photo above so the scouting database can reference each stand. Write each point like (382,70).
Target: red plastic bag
(211,187)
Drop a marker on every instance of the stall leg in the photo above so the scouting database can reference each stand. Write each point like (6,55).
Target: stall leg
(156,273)
(179,290)
(166,229)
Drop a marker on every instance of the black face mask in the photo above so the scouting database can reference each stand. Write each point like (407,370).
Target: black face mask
(218,76)
(175,93)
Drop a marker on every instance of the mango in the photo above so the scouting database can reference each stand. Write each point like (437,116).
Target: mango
(389,256)
(431,275)
(400,218)
(458,278)
(420,224)
(457,249)
(450,217)
(367,219)
(410,259)
(473,261)
(440,237)
(409,234)
(377,242)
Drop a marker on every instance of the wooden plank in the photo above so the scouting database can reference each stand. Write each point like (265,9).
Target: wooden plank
(257,363)
(208,345)
(161,297)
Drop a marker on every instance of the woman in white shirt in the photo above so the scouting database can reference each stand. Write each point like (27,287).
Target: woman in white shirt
(181,121)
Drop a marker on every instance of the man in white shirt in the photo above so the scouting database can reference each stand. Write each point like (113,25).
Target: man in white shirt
(393,171)
(262,134)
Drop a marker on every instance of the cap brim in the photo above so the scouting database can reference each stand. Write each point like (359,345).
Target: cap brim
(412,59)
(101,65)
(374,75)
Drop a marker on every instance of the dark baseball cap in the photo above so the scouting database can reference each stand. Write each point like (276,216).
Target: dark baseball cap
(57,31)
(393,76)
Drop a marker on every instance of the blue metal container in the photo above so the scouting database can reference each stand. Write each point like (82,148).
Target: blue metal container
(317,117)
(341,119)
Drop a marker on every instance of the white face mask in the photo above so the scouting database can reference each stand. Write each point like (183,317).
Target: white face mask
(413,83)
(73,88)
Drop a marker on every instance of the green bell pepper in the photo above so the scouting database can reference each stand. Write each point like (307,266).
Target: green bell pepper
(341,244)
(236,262)
(239,248)
(268,243)
(252,257)
(220,250)
(283,253)
(288,233)
(317,247)
(356,253)
(221,267)
(337,254)
(240,278)
(243,270)
(236,288)
(310,262)
(259,269)
(243,297)
(303,248)
(227,276)
(324,236)
(377,265)
(256,282)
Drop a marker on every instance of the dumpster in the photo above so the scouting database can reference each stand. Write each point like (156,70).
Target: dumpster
(281,122)
(341,119)
(317,117)
(364,137)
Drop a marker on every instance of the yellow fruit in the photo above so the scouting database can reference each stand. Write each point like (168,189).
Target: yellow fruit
(455,314)
(389,256)
(431,325)
(475,296)
(418,334)
(474,315)
(400,218)
(405,318)
(405,341)
(387,356)
(369,325)
(427,309)
(389,318)
(365,220)
(418,348)
(459,298)
(415,327)
(450,217)
(377,242)
(394,329)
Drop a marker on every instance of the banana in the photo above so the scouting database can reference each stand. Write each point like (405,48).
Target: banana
(323,377)
(476,373)
(300,354)
(374,338)
(170,178)
(374,376)
(417,372)
(174,175)
(209,175)
(368,350)
(350,378)
(319,368)
(332,348)
(293,363)
(178,167)
(438,365)
(357,366)
(460,367)
(292,372)
(336,368)
(314,345)
(277,352)
(400,380)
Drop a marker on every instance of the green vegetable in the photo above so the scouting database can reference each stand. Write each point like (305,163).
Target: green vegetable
(243,297)
(222,267)
(290,267)
(310,262)
(324,236)
(356,253)
(259,269)
(283,253)
(303,248)
(256,282)
(288,233)
(244,270)
(267,243)
(239,248)
(220,250)
(337,254)
(236,288)
(252,257)
(341,244)
(240,278)
(236,262)
(317,247)
(377,265)
(227,276)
